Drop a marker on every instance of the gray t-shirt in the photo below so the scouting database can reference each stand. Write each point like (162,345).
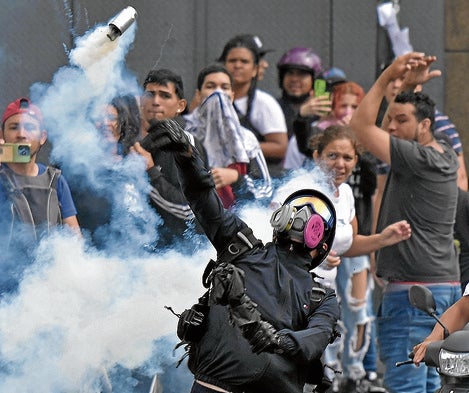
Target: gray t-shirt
(422,189)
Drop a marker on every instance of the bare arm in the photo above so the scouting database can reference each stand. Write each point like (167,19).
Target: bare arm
(390,235)
(72,222)
(454,318)
(275,145)
(414,68)
(373,138)
(462,173)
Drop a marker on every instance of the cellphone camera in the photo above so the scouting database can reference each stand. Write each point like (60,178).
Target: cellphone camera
(24,150)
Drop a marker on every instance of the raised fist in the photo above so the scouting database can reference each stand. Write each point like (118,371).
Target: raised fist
(166,135)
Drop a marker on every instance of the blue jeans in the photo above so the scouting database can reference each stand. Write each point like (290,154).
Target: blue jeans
(354,312)
(400,326)
(370,360)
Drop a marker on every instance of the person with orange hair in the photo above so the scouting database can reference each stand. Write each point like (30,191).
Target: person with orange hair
(345,99)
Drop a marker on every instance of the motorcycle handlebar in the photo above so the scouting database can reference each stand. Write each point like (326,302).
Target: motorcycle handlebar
(410,361)
(431,355)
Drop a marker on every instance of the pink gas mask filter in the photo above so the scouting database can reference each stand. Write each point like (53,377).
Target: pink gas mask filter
(300,223)
(307,226)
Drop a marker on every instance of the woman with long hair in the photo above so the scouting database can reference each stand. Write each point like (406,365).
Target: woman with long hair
(257,110)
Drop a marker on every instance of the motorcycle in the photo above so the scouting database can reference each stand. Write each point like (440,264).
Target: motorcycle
(450,356)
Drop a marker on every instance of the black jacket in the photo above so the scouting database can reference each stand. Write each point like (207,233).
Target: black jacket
(166,195)
(278,280)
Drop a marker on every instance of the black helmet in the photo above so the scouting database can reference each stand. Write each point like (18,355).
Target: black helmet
(306,217)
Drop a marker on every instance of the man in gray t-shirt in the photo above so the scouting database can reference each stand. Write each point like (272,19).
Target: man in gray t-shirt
(421,188)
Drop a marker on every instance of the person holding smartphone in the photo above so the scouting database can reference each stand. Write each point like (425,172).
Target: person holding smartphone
(34,197)
(298,71)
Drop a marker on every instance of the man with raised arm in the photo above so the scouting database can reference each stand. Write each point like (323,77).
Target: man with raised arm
(421,188)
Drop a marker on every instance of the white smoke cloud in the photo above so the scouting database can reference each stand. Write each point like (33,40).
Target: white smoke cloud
(312,178)
(82,319)
(77,314)
(80,314)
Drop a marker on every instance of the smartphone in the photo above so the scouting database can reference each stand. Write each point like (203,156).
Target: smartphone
(320,88)
(15,152)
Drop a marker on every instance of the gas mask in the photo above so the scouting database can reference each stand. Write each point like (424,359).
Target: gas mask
(306,217)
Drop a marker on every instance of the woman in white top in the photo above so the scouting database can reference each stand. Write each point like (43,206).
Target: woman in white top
(336,153)
(257,110)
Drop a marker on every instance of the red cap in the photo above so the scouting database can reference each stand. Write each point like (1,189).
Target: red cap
(22,105)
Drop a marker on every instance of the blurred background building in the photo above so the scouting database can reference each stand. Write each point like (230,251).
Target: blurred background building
(185,35)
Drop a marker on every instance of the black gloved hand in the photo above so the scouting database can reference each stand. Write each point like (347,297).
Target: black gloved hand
(227,284)
(166,135)
(262,336)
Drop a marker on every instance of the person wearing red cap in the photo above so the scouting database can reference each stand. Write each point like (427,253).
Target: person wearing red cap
(34,193)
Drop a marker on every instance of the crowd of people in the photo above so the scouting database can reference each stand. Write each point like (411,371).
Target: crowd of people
(296,314)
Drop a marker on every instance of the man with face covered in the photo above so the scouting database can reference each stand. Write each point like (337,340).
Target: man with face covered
(235,157)
(271,347)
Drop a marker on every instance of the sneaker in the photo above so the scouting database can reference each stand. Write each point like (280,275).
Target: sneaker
(371,375)
(361,386)
(348,385)
(372,385)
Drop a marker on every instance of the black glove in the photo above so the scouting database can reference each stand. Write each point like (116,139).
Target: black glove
(166,135)
(262,336)
(227,284)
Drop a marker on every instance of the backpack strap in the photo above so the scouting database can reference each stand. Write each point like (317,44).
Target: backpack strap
(242,242)
(239,244)
(54,204)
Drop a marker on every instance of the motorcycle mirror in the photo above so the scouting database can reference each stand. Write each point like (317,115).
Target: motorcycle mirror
(422,298)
